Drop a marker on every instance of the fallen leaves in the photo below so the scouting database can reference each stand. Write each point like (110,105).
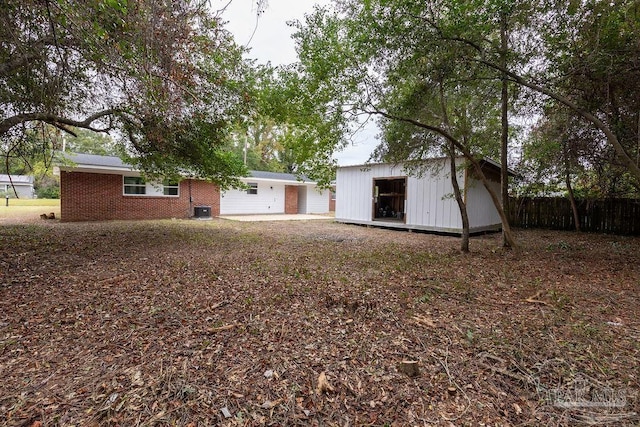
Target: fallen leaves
(323,385)
(271,404)
(185,323)
(425,321)
(409,368)
(220,328)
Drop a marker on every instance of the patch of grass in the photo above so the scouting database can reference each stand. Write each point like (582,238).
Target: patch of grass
(466,289)
(29,209)
(618,247)
(586,330)
(565,246)
(425,298)
(560,299)
(470,336)
(32,202)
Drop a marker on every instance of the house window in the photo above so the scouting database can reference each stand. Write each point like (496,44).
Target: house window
(171,188)
(137,186)
(333,194)
(253,188)
(134,185)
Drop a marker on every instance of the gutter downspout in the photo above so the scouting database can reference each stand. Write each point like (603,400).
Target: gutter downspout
(190,201)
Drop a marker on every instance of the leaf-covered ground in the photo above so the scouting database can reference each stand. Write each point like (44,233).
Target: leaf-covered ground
(192,323)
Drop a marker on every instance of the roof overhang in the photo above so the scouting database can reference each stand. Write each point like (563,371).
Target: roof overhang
(487,162)
(115,166)
(276,181)
(484,162)
(100,169)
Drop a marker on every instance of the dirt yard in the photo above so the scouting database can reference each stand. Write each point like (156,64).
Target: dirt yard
(189,323)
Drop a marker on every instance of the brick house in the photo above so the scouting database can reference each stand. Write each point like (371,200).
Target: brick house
(105,188)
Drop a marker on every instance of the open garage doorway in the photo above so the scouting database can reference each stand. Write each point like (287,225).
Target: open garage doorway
(389,199)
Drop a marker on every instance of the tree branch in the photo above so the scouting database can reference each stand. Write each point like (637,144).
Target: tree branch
(611,137)
(15,63)
(58,121)
(35,51)
(540,88)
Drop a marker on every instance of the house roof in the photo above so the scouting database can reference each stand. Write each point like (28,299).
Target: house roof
(95,160)
(17,179)
(94,163)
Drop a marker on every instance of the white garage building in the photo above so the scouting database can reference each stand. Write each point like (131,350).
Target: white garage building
(274,193)
(386,195)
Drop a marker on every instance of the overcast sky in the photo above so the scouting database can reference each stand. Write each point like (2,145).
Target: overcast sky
(272,42)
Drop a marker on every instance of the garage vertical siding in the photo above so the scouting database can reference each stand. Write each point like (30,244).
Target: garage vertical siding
(354,189)
(482,212)
(353,193)
(429,200)
(317,201)
(269,200)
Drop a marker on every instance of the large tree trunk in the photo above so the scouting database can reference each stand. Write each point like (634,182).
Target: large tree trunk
(504,140)
(572,199)
(506,228)
(6,164)
(464,245)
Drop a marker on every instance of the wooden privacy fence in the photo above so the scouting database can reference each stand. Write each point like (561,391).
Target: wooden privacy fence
(616,216)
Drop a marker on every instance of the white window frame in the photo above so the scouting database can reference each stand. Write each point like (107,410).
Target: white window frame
(151,189)
(171,185)
(140,184)
(253,188)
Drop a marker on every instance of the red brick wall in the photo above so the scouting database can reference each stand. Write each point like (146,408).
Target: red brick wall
(290,199)
(94,196)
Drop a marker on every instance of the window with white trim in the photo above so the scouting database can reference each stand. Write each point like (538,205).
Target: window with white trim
(171,188)
(253,188)
(134,185)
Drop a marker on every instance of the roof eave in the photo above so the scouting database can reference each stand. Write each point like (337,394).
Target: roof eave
(102,169)
(283,181)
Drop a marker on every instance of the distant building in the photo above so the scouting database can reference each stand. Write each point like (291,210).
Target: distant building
(21,184)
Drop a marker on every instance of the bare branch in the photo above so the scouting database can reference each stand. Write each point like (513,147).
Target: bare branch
(18,61)
(58,121)
(541,88)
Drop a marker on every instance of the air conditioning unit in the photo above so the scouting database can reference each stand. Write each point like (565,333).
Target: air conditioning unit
(202,212)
